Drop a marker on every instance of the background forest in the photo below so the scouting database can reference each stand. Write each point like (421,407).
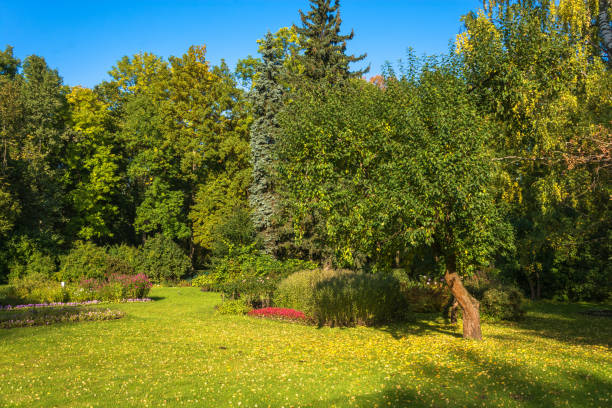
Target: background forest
(493,159)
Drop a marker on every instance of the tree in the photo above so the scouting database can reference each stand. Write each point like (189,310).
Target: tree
(537,76)
(325,48)
(266,99)
(92,165)
(394,170)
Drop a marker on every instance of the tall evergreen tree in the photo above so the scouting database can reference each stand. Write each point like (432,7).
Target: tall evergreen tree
(266,98)
(325,55)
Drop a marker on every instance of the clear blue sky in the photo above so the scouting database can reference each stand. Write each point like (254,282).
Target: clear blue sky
(83,39)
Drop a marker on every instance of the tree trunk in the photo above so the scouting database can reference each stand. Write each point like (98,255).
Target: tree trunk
(469,305)
(452,313)
(605,31)
(532,290)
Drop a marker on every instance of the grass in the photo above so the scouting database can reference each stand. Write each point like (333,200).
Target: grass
(176,351)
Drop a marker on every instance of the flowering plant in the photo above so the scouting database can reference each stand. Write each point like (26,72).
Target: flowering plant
(278,312)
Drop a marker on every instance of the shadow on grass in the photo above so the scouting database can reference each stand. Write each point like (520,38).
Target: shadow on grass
(568,323)
(488,382)
(156,298)
(419,326)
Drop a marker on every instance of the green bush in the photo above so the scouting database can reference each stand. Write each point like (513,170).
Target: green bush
(426,295)
(256,291)
(502,304)
(85,260)
(36,264)
(37,288)
(205,281)
(297,290)
(343,298)
(123,259)
(162,260)
(233,307)
(248,261)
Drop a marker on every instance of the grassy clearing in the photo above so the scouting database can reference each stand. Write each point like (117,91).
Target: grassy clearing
(176,351)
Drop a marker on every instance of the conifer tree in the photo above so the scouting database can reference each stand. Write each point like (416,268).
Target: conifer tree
(266,98)
(325,55)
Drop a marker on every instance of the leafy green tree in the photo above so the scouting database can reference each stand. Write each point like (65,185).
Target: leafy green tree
(538,79)
(404,167)
(162,210)
(92,165)
(162,260)
(325,48)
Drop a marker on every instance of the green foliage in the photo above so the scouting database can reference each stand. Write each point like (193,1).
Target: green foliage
(162,210)
(267,100)
(503,304)
(47,316)
(537,73)
(418,150)
(37,288)
(343,298)
(325,48)
(233,231)
(85,260)
(297,290)
(37,264)
(427,295)
(123,259)
(206,281)
(233,307)
(162,260)
(242,262)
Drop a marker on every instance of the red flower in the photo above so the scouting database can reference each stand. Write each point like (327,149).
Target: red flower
(278,312)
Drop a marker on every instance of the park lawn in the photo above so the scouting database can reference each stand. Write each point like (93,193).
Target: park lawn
(175,351)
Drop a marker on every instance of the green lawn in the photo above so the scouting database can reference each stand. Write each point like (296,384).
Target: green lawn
(176,351)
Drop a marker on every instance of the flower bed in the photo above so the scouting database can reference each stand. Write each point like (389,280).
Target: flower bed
(278,313)
(42,317)
(62,304)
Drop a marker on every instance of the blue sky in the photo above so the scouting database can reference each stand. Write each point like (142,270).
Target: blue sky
(83,39)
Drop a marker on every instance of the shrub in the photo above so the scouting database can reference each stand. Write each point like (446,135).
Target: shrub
(37,288)
(279,313)
(85,260)
(36,264)
(118,266)
(205,281)
(427,295)
(297,290)
(132,286)
(502,303)
(249,274)
(256,291)
(247,261)
(115,288)
(162,260)
(126,255)
(233,307)
(343,298)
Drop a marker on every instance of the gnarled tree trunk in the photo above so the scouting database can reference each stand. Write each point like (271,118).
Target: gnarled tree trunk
(469,305)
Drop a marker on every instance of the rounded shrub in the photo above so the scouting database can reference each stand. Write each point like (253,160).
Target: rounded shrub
(297,290)
(85,260)
(503,304)
(233,307)
(123,260)
(343,298)
(37,264)
(163,260)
